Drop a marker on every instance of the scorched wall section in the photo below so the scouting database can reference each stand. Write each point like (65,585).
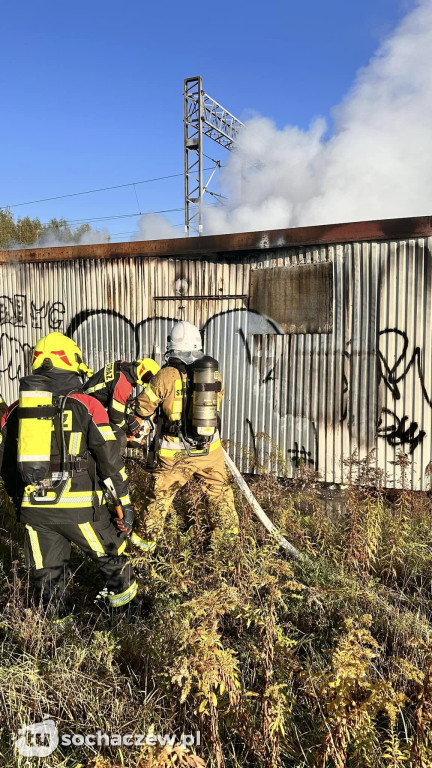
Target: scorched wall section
(316,398)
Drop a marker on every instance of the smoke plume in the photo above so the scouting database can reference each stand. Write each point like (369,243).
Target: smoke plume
(377,163)
(153,226)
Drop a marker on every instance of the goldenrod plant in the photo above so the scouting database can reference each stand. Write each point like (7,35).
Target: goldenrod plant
(323,662)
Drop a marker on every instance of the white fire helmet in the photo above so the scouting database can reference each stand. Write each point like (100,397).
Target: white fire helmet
(184,337)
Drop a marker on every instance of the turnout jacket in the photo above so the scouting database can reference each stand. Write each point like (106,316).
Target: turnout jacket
(164,390)
(93,455)
(112,386)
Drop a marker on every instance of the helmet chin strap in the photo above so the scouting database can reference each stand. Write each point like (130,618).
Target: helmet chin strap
(84,370)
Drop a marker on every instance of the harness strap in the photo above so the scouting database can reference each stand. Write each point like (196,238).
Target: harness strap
(154,448)
(38,412)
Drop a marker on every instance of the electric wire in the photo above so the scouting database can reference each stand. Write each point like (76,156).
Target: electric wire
(100,189)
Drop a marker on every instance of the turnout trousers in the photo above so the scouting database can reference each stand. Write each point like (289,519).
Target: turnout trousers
(173,470)
(48,549)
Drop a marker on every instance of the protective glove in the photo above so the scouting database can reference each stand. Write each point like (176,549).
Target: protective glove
(133,424)
(125,523)
(145,428)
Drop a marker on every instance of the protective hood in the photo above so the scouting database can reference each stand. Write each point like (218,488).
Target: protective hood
(60,382)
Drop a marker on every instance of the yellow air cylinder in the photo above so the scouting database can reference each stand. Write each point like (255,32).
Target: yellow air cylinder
(35,415)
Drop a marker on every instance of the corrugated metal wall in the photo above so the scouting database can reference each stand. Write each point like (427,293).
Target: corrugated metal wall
(312,397)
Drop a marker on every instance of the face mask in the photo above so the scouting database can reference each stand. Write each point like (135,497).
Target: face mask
(186,357)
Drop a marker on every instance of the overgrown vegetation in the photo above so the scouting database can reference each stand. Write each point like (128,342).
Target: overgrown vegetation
(324,662)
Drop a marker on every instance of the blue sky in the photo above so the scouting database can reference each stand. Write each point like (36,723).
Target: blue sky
(92,91)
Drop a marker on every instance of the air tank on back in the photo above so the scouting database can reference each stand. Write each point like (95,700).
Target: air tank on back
(205,389)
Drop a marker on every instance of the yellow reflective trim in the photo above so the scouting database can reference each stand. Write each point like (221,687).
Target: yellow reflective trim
(90,535)
(178,449)
(96,388)
(122,548)
(35,394)
(151,394)
(109,371)
(35,546)
(107,432)
(75,443)
(67,501)
(124,597)
(118,406)
(125,499)
(141,543)
(34,457)
(123,474)
(176,409)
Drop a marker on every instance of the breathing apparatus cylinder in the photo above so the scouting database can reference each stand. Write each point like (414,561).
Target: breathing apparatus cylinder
(35,423)
(205,389)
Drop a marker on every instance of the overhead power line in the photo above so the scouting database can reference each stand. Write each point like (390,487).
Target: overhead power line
(100,189)
(119,216)
(134,231)
(91,191)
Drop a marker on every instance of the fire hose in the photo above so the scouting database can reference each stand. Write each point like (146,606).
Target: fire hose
(258,511)
(256,508)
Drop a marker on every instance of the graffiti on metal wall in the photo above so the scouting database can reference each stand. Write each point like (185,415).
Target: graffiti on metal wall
(400,431)
(14,356)
(399,364)
(244,341)
(398,361)
(100,331)
(106,334)
(17,312)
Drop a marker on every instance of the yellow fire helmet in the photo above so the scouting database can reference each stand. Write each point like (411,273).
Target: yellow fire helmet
(146,368)
(58,351)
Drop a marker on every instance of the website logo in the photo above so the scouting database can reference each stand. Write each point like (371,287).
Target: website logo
(37,740)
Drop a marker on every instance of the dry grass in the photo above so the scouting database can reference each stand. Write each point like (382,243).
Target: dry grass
(326,662)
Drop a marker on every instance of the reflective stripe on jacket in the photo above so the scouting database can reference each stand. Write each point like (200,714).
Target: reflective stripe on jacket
(112,386)
(165,389)
(88,436)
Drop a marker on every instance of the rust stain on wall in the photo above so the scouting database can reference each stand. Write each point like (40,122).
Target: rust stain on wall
(299,298)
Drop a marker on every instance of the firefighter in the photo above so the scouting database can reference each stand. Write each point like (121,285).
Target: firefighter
(57,450)
(3,407)
(113,385)
(182,451)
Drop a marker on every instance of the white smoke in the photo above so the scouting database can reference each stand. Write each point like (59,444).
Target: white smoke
(50,239)
(92,237)
(153,226)
(376,164)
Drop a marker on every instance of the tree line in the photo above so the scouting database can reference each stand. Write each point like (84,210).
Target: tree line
(26,231)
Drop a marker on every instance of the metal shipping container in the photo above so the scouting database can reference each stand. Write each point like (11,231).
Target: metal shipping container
(323,334)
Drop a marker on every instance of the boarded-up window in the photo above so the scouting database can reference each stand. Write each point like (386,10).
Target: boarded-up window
(299,298)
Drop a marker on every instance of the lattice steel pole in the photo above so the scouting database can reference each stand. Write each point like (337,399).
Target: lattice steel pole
(203,116)
(193,103)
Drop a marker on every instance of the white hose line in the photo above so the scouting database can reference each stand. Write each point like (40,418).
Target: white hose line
(258,511)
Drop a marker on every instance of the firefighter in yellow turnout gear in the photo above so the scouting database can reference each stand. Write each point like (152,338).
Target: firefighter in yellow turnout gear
(56,450)
(172,394)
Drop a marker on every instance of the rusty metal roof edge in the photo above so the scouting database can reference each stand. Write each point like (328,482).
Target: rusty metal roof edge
(208,245)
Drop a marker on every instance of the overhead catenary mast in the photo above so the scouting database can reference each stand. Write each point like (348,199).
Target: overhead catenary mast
(203,116)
